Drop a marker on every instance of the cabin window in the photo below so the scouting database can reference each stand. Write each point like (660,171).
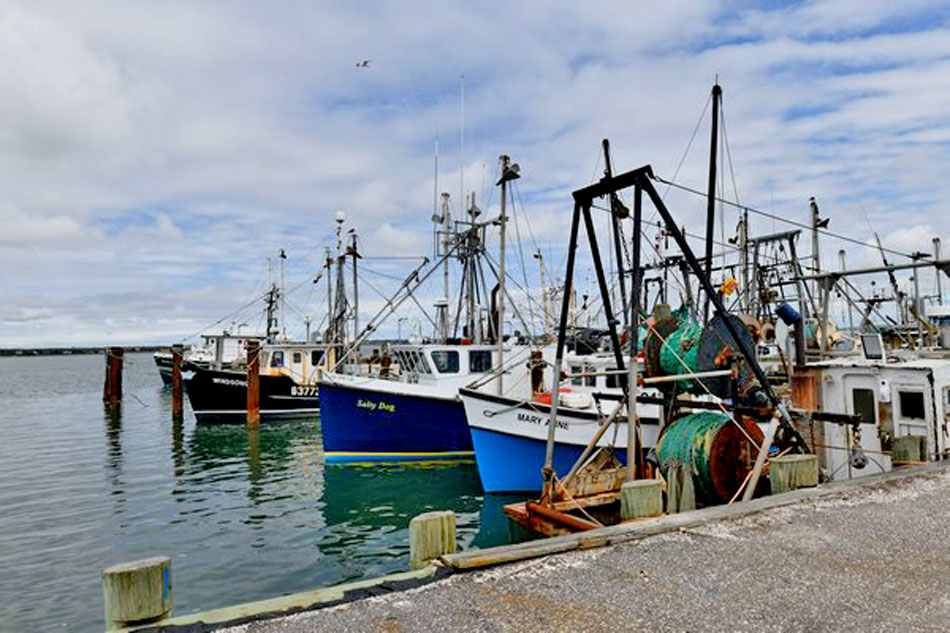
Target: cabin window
(277,360)
(613,381)
(912,404)
(316,356)
(576,378)
(479,360)
(297,358)
(446,362)
(422,363)
(863,403)
(413,361)
(590,381)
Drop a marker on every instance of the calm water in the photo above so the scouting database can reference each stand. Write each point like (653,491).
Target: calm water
(243,516)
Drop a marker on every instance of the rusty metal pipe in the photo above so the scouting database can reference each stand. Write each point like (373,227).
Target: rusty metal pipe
(567,520)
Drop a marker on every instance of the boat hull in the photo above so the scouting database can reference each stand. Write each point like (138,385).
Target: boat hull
(365,425)
(510,439)
(218,396)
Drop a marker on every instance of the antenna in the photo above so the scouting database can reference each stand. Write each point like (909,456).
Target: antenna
(461,139)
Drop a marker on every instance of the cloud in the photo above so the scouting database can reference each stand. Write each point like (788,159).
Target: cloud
(26,231)
(171,149)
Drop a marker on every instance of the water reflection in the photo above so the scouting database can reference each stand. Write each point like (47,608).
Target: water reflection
(385,497)
(389,495)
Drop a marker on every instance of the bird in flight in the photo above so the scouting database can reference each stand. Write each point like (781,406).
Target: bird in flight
(363,63)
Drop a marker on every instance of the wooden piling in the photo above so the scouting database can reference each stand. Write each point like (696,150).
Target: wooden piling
(672,491)
(688,491)
(177,404)
(641,498)
(431,534)
(140,591)
(112,389)
(253,383)
(791,472)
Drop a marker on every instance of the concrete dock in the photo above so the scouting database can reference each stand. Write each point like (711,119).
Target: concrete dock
(869,557)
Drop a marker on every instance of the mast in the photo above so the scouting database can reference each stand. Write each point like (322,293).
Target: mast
(272,298)
(509,172)
(462,140)
(937,259)
(339,317)
(283,303)
(815,225)
(470,252)
(446,239)
(744,267)
(356,294)
(711,195)
(617,211)
(329,266)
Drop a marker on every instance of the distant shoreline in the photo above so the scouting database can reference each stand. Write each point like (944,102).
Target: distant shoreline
(68,351)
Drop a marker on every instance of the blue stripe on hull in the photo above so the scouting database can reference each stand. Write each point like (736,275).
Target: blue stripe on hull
(369,458)
(373,425)
(511,463)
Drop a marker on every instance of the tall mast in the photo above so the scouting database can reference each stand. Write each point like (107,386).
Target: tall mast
(339,316)
(711,190)
(462,140)
(471,248)
(283,303)
(329,266)
(815,223)
(509,172)
(443,306)
(617,211)
(356,293)
(937,259)
(744,266)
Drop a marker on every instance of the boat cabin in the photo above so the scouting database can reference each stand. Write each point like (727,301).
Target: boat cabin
(301,361)
(415,363)
(895,399)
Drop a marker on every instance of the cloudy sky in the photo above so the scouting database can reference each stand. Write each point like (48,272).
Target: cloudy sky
(155,155)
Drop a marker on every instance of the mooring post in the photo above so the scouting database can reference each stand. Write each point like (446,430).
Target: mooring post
(137,592)
(112,389)
(672,490)
(790,472)
(253,383)
(177,353)
(688,490)
(641,498)
(431,534)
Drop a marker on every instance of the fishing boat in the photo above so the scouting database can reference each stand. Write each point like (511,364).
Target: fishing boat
(288,372)
(405,406)
(410,408)
(509,430)
(216,352)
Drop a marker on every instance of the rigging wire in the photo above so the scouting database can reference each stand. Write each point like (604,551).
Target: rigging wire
(524,267)
(778,218)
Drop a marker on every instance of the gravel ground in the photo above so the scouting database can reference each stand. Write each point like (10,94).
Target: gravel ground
(873,558)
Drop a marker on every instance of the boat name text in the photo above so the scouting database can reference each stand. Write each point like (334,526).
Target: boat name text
(541,421)
(231,382)
(373,406)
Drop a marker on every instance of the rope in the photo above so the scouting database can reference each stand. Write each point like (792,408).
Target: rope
(778,218)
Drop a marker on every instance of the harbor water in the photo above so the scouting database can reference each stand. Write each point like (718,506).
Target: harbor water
(243,515)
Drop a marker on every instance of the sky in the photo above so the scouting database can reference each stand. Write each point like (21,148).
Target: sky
(155,157)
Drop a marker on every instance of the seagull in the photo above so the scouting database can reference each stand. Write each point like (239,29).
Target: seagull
(363,63)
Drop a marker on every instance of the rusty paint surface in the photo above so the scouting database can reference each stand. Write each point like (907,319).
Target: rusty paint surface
(253,383)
